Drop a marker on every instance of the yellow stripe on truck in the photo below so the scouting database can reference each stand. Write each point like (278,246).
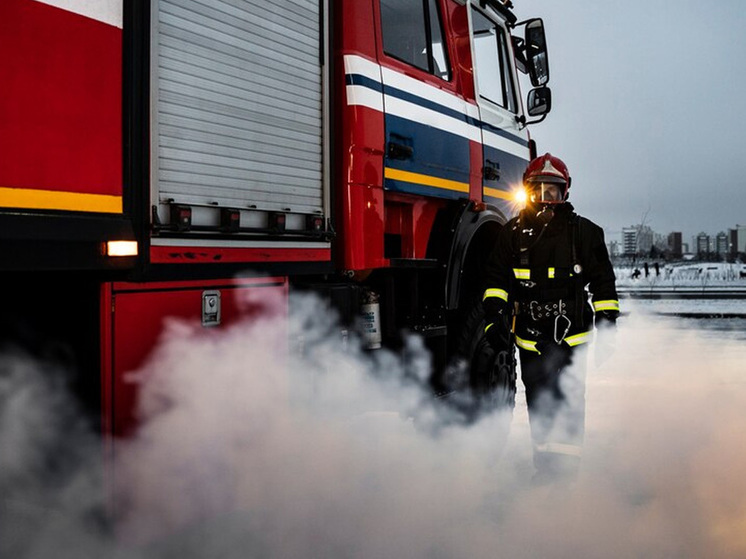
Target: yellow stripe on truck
(29,198)
(426,180)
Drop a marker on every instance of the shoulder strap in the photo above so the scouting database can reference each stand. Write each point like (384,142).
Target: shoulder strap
(574,239)
(577,268)
(523,250)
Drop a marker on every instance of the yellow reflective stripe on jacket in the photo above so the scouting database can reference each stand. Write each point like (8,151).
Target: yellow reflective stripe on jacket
(528,345)
(578,339)
(495,292)
(490,325)
(550,273)
(610,305)
(522,273)
(572,341)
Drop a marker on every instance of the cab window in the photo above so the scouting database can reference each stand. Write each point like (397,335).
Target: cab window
(492,62)
(413,33)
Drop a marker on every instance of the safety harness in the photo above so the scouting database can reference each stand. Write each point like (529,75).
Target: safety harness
(549,297)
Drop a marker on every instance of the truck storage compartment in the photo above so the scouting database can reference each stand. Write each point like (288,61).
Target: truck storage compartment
(237,113)
(136,315)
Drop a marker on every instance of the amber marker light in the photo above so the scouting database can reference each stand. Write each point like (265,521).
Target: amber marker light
(121,248)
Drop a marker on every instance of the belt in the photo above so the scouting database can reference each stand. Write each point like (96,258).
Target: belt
(547,310)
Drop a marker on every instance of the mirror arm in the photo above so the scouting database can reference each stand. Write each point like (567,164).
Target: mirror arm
(523,122)
(519,49)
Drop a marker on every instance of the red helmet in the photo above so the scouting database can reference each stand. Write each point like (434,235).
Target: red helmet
(545,172)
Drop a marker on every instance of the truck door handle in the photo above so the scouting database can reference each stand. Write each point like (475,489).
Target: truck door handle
(491,171)
(400,151)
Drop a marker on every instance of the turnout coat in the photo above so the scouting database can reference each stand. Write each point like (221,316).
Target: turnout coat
(546,280)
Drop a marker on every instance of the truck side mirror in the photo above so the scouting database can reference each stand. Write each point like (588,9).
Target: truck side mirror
(537,58)
(539,101)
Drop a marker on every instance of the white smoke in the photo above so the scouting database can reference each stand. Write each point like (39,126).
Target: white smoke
(248,449)
(51,504)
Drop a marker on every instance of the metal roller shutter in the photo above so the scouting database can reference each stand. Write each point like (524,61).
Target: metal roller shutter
(238,110)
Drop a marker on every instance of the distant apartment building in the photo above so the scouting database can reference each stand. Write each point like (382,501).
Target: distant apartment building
(733,242)
(702,243)
(721,244)
(645,238)
(675,246)
(629,241)
(737,240)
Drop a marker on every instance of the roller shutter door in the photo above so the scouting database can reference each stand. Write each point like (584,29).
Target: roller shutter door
(238,110)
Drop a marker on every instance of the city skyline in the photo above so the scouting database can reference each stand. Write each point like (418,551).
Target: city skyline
(639,239)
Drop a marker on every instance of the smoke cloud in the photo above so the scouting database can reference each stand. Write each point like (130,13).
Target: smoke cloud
(250,448)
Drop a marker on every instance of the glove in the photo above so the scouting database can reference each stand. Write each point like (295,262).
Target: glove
(497,331)
(605,338)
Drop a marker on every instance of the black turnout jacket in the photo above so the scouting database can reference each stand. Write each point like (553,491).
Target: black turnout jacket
(546,278)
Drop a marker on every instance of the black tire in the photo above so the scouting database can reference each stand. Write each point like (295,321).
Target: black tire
(481,379)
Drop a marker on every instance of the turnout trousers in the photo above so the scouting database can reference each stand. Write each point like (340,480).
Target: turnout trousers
(555,395)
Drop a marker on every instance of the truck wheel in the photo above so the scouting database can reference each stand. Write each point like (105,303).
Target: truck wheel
(482,378)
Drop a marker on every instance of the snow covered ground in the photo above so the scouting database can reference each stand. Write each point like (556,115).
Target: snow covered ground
(682,274)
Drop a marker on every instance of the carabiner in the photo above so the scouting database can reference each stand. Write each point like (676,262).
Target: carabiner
(559,339)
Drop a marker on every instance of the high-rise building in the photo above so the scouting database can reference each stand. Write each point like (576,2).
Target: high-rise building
(637,239)
(738,240)
(645,237)
(629,241)
(674,244)
(732,242)
(721,244)
(702,243)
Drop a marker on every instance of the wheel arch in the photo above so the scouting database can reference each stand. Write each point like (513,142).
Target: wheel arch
(472,235)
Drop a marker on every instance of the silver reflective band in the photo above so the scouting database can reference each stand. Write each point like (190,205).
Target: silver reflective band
(495,292)
(522,273)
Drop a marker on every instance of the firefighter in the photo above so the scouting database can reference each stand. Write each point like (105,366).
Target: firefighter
(548,280)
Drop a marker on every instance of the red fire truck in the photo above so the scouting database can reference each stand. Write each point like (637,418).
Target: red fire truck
(167,157)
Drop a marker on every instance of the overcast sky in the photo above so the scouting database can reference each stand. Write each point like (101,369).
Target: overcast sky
(649,108)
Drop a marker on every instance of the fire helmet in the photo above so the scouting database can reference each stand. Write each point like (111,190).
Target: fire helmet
(543,173)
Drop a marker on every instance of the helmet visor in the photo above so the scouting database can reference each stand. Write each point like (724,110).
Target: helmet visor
(546,192)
